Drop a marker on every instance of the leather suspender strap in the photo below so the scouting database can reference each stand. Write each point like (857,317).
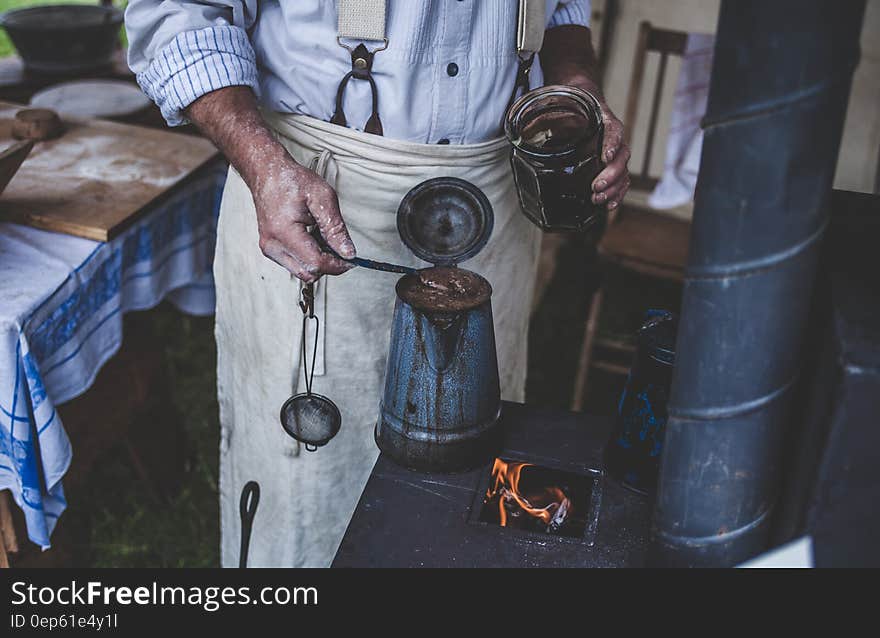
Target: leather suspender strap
(531,23)
(363,21)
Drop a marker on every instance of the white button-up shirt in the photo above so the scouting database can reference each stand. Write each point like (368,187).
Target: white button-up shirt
(446,75)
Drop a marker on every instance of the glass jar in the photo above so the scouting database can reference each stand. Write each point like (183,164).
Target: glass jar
(556,137)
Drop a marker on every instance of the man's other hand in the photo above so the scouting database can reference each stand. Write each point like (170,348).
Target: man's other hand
(612,183)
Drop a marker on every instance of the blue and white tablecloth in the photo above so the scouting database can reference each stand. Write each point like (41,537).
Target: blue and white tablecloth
(61,304)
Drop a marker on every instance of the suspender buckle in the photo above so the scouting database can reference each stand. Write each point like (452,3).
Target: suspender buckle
(350,49)
(521,85)
(361,57)
(522,73)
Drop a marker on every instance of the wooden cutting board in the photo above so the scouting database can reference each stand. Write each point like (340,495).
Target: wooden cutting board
(98,176)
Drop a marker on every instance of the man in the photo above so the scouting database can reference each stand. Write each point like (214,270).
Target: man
(262,79)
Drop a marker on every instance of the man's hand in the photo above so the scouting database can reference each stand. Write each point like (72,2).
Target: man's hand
(567,58)
(612,183)
(288,197)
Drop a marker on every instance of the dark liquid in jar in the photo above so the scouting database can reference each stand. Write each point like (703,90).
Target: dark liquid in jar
(554,130)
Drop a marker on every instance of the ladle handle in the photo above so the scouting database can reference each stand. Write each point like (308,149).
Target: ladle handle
(380,265)
(250,498)
(364,263)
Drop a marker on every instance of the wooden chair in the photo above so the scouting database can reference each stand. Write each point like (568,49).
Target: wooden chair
(637,239)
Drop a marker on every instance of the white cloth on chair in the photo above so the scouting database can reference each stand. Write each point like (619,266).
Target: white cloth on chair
(685,138)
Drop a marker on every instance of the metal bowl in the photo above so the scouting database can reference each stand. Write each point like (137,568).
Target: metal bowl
(65,38)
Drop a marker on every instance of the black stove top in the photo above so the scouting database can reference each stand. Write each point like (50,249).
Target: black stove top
(411,519)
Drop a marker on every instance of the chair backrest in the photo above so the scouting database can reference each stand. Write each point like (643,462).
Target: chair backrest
(666,43)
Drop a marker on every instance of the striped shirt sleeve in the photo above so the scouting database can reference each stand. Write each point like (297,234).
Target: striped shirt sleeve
(195,63)
(575,12)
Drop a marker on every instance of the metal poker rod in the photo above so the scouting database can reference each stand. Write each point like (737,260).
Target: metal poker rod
(365,263)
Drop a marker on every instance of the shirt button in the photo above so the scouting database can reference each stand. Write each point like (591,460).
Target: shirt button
(443,141)
(452,69)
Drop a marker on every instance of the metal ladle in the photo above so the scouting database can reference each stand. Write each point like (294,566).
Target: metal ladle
(310,418)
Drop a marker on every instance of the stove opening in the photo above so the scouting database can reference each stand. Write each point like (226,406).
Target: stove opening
(533,498)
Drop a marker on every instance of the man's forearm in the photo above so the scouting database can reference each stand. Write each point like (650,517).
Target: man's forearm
(567,57)
(231,119)
(288,197)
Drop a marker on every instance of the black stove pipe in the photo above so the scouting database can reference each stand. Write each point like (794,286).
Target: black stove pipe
(780,84)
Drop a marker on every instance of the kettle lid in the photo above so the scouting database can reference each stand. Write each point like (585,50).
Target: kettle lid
(445,220)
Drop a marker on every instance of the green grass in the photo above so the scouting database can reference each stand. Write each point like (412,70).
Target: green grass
(114,518)
(6,48)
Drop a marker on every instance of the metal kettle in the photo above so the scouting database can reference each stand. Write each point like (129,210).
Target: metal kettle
(442,400)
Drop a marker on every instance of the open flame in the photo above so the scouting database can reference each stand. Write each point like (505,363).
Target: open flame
(548,504)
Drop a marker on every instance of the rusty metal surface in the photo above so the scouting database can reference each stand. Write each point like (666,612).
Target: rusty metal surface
(442,394)
(412,519)
(445,220)
(444,289)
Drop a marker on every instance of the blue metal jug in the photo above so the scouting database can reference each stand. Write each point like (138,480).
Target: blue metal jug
(632,455)
(442,399)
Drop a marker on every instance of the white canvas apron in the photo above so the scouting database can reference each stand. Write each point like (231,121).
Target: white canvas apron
(308,497)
